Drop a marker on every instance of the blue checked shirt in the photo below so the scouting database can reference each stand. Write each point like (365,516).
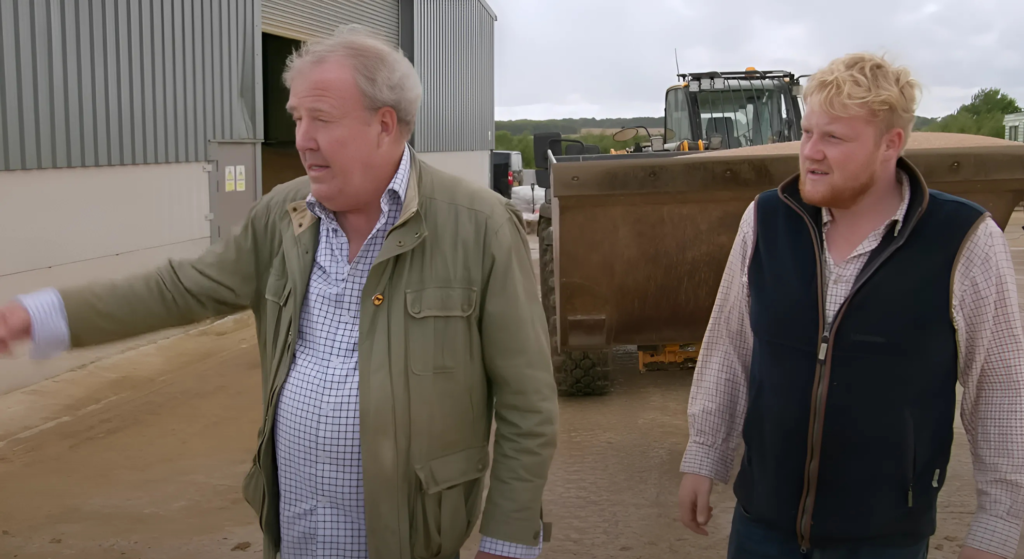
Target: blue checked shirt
(319,462)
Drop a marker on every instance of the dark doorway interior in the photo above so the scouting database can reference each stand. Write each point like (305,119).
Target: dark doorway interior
(280,160)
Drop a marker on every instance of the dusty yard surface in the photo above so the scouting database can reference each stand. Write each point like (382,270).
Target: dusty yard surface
(141,456)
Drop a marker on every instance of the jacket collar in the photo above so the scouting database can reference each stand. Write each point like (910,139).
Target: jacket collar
(916,205)
(303,219)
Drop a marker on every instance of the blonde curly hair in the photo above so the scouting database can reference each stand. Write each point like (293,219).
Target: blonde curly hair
(864,83)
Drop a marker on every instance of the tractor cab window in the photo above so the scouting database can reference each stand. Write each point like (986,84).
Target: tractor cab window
(743,114)
(677,115)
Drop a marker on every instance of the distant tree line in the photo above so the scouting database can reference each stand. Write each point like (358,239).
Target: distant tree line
(922,122)
(523,143)
(983,116)
(574,125)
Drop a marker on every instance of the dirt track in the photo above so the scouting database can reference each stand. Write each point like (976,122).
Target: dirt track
(141,456)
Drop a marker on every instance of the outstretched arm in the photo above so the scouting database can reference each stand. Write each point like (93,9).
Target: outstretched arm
(220,281)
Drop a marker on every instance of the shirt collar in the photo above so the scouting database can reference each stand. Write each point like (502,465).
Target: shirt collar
(898,217)
(399,186)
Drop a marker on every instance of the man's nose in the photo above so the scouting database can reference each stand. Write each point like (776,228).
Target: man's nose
(810,149)
(304,138)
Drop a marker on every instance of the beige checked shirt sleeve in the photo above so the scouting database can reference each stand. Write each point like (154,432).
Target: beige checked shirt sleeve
(991,346)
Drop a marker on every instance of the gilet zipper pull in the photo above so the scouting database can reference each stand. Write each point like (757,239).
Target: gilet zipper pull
(823,348)
(910,496)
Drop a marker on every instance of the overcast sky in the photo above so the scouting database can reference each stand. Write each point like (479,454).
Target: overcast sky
(614,58)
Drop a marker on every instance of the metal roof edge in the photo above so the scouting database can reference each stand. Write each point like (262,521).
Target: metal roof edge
(487,7)
(1012,117)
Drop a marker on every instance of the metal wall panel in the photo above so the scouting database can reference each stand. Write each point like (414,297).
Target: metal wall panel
(309,19)
(119,82)
(454,53)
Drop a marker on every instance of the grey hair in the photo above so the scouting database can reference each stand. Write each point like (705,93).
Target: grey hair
(383,74)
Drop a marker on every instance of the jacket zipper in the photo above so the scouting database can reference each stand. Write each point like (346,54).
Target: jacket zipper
(803,527)
(266,433)
(271,404)
(823,368)
(912,465)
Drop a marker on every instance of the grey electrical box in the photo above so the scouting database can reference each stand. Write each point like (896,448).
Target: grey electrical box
(235,183)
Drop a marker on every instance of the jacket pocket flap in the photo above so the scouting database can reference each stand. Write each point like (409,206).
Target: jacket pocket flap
(441,301)
(278,286)
(448,471)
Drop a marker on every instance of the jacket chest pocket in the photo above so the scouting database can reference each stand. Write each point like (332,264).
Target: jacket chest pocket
(440,330)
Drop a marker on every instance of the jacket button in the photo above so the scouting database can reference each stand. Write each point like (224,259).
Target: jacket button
(400,243)
(378,299)
(480,467)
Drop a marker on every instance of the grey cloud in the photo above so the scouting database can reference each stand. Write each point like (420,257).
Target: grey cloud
(623,60)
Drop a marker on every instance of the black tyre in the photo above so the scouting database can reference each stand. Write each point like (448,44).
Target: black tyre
(577,373)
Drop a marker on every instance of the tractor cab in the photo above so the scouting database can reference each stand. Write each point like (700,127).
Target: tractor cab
(725,110)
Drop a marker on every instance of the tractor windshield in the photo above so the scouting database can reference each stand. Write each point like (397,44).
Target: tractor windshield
(742,113)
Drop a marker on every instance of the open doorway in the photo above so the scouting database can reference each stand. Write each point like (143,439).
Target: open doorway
(280,160)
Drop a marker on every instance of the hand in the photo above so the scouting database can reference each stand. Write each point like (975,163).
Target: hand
(485,555)
(15,326)
(972,553)
(695,502)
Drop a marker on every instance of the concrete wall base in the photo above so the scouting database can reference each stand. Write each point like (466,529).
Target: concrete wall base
(63,227)
(474,166)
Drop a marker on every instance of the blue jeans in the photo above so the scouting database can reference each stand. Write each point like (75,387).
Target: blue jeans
(750,540)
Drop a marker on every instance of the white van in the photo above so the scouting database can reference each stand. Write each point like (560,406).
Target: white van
(515,166)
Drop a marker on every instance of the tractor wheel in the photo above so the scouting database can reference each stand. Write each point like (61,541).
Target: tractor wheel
(577,373)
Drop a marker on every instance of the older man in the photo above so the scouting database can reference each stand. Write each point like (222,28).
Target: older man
(397,313)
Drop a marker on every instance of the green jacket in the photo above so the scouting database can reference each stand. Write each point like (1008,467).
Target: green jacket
(451,334)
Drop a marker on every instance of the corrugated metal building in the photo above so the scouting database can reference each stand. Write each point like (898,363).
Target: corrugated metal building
(114,113)
(1014,127)
(450,42)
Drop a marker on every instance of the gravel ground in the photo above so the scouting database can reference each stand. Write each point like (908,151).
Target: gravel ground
(142,455)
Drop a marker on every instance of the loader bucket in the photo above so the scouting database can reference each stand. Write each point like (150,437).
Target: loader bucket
(641,242)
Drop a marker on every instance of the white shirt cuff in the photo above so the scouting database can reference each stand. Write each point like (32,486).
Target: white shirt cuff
(50,332)
(513,550)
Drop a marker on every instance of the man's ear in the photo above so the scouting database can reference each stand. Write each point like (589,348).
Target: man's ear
(894,141)
(387,119)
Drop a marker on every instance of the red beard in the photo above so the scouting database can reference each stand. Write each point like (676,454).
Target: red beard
(833,195)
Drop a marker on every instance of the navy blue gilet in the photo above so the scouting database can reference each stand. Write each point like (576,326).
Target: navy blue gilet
(849,426)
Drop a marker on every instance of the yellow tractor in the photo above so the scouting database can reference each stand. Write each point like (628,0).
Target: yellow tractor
(633,246)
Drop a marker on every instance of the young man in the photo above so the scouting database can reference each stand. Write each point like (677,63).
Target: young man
(397,314)
(853,301)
